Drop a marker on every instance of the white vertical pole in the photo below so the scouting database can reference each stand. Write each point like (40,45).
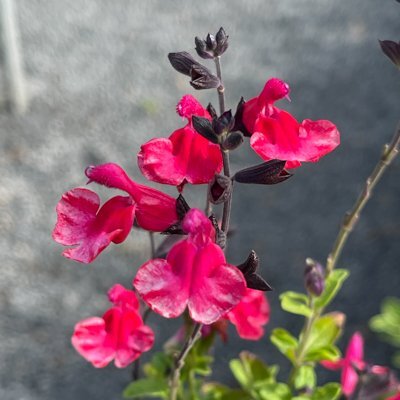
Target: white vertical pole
(12,59)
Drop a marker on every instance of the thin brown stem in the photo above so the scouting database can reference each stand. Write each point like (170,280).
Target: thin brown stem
(389,153)
(180,361)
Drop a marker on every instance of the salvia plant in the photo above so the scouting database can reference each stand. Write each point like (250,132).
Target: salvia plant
(189,276)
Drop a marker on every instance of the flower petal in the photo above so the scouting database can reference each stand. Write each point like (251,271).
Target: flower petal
(80,225)
(216,287)
(250,315)
(156,211)
(189,106)
(198,227)
(122,297)
(165,284)
(89,341)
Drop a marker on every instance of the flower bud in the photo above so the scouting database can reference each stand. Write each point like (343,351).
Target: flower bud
(211,110)
(224,123)
(212,46)
(232,141)
(239,125)
(268,173)
(249,268)
(220,189)
(204,128)
(211,42)
(202,78)
(314,277)
(391,50)
(201,49)
(222,42)
(182,62)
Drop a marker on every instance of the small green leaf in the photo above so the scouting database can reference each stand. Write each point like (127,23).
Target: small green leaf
(147,387)
(305,377)
(285,342)
(323,336)
(158,366)
(216,391)
(330,353)
(332,285)
(295,303)
(275,391)
(330,391)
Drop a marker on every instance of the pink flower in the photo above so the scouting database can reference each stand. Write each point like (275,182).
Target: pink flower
(250,315)
(276,134)
(90,229)
(353,359)
(185,156)
(119,335)
(155,210)
(194,275)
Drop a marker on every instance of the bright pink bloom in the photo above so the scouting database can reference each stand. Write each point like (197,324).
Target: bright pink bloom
(276,134)
(185,156)
(155,210)
(119,335)
(195,274)
(90,229)
(250,315)
(353,359)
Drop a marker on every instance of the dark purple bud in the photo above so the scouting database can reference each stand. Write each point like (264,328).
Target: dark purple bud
(204,128)
(211,110)
(222,42)
(182,207)
(211,42)
(220,189)
(202,78)
(201,49)
(224,123)
(392,50)
(232,141)
(220,236)
(268,173)
(239,125)
(249,268)
(314,277)
(182,62)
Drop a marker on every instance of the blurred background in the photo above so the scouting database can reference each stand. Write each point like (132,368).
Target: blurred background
(100,84)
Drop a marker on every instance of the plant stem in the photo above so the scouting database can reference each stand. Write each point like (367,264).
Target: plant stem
(180,361)
(226,213)
(389,153)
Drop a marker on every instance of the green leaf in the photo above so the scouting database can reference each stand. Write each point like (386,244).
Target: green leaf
(330,353)
(305,377)
(285,342)
(216,391)
(330,391)
(333,284)
(147,387)
(275,391)
(159,365)
(295,303)
(324,333)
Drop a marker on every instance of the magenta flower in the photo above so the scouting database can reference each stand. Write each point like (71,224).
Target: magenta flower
(90,229)
(185,156)
(250,315)
(276,134)
(119,335)
(354,358)
(194,275)
(155,210)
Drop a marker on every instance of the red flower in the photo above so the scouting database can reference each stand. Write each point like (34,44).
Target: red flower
(120,334)
(353,359)
(185,156)
(195,274)
(276,134)
(250,315)
(155,210)
(90,230)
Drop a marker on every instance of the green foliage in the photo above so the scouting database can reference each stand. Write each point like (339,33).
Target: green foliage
(147,388)
(333,284)
(285,342)
(324,333)
(330,391)
(387,324)
(305,377)
(295,303)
